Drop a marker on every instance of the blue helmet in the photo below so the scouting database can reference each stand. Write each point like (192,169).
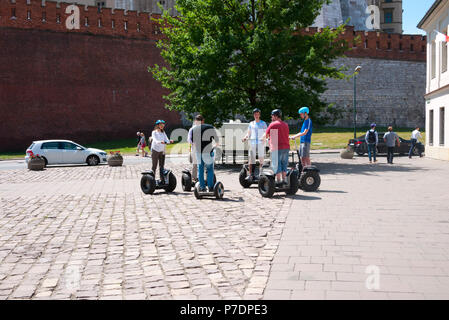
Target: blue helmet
(160,121)
(304,110)
(373,125)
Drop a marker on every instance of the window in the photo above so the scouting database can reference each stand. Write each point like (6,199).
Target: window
(50,145)
(442,126)
(433,58)
(389,45)
(86,21)
(431,127)
(388,16)
(388,1)
(99,23)
(58,18)
(126,25)
(28,15)
(444,55)
(377,45)
(44,17)
(13,13)
(68,146)
(411,48)
(113,24)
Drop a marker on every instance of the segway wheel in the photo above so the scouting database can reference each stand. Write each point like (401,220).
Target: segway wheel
(171,183)
(196,191)
(219,190)
(186,182)
(242,179)
(294,183)
(266,186)
(148,184)
(309,181)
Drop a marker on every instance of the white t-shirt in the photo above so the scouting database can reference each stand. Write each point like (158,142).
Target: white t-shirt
(257,130)
(416,134)
(158,138)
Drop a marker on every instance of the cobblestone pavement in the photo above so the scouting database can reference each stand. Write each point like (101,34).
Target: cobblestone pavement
(367,218)
(90,233)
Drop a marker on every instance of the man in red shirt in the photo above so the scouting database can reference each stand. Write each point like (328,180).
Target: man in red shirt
(278,132)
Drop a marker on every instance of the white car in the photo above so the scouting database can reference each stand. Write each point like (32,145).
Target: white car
(65,152)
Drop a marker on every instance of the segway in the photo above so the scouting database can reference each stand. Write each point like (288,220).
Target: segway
(268,185)
(149,184)
(217,191)
(244,173)
(309,177)
(187,182)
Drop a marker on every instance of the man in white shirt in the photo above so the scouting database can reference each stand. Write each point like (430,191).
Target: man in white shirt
(196,122)
(416,135)
(256,131)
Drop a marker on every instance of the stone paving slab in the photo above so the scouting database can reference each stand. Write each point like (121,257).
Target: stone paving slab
(367,218)
(90,233)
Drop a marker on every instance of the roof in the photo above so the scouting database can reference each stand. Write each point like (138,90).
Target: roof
(429,13)
(53,140)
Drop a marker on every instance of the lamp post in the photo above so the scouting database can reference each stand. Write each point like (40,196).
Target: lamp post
(356,72)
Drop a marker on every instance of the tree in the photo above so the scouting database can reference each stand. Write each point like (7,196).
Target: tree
(227,57)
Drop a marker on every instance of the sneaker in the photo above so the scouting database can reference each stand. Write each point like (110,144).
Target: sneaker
(203,189)
(249,178)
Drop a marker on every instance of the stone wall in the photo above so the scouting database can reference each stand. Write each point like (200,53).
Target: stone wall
(389,92)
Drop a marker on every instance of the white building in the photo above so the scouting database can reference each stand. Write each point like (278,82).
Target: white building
(437,87)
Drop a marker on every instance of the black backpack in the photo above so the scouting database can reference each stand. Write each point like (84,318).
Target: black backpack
(372,137)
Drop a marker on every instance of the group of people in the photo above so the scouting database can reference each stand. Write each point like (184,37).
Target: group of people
(390,139)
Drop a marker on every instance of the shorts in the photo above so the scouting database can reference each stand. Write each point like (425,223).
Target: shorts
(256,149)
(279,160)
(304,150)
(143,146)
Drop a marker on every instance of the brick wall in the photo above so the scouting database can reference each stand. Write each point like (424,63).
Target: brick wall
(75,86)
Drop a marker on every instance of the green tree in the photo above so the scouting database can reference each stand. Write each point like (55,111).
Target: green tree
(227,57)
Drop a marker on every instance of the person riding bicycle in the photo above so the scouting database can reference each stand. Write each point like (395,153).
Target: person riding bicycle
(256,130)
(202,136)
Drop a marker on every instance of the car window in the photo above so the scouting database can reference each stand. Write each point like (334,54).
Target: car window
(31,147)
(68,146)
(50,145)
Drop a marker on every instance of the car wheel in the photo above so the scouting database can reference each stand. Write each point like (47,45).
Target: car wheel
(92,160)
(266,186)
(360,151)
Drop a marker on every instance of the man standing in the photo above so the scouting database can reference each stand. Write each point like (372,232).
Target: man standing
(256,130)
(372,140)
(198,120)
(306,136)
(138,143)
(390,139)
(416,135)
(278,132)
(202,136)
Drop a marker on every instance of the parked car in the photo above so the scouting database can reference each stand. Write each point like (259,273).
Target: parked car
(65,152)
(360,147)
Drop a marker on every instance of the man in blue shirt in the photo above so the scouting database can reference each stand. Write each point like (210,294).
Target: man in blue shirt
(306,136)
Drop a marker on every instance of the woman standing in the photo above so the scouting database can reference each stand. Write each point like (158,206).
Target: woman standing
(142,143)
(159,140)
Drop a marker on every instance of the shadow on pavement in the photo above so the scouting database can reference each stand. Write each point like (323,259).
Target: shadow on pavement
(363,168)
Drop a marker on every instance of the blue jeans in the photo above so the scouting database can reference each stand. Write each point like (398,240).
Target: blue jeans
(372,150)
(279,160)
(410,153)
(205,160)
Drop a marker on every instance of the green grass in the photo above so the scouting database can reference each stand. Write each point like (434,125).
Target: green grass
(322,138)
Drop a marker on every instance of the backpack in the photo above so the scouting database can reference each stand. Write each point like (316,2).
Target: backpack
(372,137)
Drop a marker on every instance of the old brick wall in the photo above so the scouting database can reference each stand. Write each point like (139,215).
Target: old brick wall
(389,92)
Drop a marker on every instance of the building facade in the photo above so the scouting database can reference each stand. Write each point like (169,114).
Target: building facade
(437,81)
(357,12)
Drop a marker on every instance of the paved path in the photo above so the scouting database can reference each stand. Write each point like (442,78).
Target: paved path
(391,219)
(90,233)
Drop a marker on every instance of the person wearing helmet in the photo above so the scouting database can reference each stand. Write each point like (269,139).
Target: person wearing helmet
(159,140)
(278,132)
(256,130)
(372,140)
(306,136)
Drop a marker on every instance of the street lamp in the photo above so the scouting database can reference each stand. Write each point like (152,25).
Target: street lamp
(356,72)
